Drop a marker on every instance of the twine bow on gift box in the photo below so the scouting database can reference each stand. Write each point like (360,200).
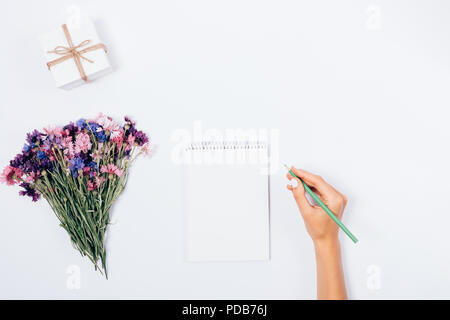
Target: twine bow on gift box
(74,52)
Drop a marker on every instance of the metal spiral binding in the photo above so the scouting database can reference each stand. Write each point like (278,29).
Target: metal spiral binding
(226,145)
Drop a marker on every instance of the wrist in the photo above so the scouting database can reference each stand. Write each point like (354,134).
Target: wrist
(326,244)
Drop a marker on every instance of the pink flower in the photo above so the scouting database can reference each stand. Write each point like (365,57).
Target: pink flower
(130,142)
(146,149)
(119,172)
(82,143)
(112,169)
(11,175)
(107,123)
(117,137)
(99,181)
(91,185)
(56,131)
(31,177)
(96,156)
(69,150)
(131,139)
(86,170)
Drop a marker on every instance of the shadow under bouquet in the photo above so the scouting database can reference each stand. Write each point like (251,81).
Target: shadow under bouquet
(80,169)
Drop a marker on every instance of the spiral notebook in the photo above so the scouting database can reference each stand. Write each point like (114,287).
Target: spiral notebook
(227,201)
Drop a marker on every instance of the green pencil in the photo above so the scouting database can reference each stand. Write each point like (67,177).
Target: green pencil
(324,207)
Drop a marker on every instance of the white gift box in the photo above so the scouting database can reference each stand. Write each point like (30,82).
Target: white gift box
(69,43)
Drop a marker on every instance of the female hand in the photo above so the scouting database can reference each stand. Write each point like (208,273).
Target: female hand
(318,224)
(324,232)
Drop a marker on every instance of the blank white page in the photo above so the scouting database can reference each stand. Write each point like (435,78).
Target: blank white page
(227,207)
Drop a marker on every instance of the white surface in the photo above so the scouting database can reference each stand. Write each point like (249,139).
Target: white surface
(368,109)
(227,205)
(66,73)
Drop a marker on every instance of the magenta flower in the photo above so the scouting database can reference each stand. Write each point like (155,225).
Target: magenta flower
(117,137)
(111,169)
(91,185)
(11,175)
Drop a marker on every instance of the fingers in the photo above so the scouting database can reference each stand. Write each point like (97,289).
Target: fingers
(343,199)
(332,198)
(313,180)
(299,194)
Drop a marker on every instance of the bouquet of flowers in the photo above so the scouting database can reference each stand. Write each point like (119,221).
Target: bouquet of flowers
(80,169)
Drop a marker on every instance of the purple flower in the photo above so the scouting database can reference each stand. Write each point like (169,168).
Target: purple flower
(100,135)
(51,141)
(94,167)
(31,166)
(141,138)
(29,191)
(34,137)
(45,164)
(30,162)
(93,126)
(97,130)
(18,161)
(75,165)
(73,129)
(41,155)
(85,157)
(81,123)
(47,145)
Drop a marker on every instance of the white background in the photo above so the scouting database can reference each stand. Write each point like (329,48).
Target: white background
(361,101)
